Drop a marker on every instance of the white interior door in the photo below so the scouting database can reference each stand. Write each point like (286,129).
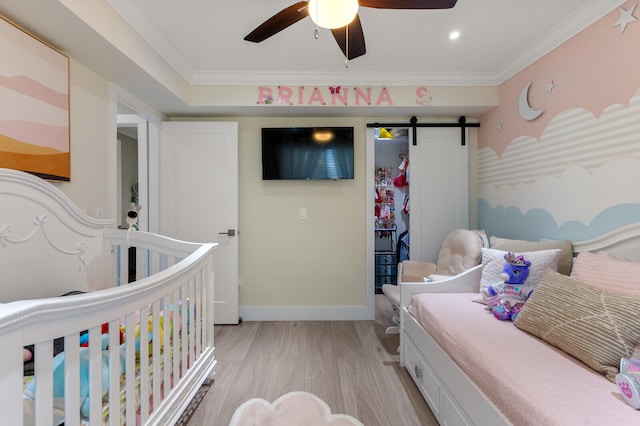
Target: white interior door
(438,189)
(198,193)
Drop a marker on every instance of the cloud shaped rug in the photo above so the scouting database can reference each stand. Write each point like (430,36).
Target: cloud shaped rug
(294,408)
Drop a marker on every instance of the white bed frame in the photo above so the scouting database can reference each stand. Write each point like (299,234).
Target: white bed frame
(452,396)
(49,247)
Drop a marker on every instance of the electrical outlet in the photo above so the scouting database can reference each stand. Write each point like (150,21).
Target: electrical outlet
(99,213)
(303,214)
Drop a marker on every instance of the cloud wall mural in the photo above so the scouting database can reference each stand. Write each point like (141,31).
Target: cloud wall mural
(571,171)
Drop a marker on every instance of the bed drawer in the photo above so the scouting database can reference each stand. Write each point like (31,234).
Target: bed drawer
(451,411)
(428,364)
(423,376)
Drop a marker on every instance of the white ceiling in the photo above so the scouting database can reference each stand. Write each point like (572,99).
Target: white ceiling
(203,41)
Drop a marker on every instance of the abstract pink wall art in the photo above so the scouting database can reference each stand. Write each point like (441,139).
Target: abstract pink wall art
(34,105)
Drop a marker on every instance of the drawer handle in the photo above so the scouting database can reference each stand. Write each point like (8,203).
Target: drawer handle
(418,371)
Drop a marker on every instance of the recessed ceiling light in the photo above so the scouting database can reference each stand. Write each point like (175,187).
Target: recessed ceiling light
(454,35)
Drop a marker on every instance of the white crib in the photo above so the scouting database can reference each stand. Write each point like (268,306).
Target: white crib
(48,247)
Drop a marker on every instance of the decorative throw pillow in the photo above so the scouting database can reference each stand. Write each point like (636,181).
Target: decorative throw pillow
(519,246)
(603,271)
(596,326)
(493,263)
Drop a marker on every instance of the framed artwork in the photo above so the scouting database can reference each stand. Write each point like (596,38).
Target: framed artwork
(34,105)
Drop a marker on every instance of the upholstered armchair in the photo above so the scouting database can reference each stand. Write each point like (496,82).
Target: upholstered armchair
(460,251)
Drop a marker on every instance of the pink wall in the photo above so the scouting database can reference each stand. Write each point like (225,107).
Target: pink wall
(572,172)
(595,69)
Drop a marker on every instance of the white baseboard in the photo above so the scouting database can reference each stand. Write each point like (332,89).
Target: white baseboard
(306,313)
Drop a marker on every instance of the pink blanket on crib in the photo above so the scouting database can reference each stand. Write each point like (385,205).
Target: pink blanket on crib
(531,382)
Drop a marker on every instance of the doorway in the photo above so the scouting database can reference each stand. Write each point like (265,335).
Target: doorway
(131,139)
(131,155)
(437,182)
(391,203)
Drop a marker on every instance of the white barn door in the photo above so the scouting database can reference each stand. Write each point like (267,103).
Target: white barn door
(198,191)
(438,189)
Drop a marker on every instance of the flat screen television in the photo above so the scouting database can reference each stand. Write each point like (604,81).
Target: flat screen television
(293,153)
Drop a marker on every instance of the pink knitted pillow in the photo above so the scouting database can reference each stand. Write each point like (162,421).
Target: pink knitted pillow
(607,273)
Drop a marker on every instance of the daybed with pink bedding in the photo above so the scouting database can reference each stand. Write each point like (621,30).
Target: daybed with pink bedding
(134,352)
(549,366)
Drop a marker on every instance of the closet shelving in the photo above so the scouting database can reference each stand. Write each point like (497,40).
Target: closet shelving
(384,199)
(385,245)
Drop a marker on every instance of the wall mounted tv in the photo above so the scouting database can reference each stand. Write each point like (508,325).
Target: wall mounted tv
(308,153)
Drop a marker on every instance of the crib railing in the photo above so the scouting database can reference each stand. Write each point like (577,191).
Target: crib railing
(135,353)
(149,254)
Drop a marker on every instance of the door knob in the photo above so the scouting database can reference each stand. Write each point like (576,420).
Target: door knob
(230,233)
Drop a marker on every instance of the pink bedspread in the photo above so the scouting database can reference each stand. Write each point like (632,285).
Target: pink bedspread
(531,382)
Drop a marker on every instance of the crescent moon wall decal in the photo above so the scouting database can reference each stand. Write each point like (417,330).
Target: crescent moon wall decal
(526,111)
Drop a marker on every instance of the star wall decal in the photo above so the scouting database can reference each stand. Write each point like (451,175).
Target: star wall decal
(626,17)
(550,86)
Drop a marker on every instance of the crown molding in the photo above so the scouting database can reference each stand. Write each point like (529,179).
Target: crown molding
(345,78)
(131,13)
(555,37)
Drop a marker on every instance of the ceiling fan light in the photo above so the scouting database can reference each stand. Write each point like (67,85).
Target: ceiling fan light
(332,13)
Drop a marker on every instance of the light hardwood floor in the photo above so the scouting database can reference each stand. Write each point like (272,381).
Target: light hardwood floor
(352,365)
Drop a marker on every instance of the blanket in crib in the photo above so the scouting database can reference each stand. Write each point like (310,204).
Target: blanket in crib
(59,377)
(59,415)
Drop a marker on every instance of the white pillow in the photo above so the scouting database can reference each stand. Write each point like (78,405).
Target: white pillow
(493,263)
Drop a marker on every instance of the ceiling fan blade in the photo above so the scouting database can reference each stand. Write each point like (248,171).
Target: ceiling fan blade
(356,45)
(278,22)
(408,4)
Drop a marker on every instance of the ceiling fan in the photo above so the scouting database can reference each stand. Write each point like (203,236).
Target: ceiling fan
(354,46)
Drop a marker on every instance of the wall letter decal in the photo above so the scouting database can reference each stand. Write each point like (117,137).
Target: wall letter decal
(264,94)
(384,97)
